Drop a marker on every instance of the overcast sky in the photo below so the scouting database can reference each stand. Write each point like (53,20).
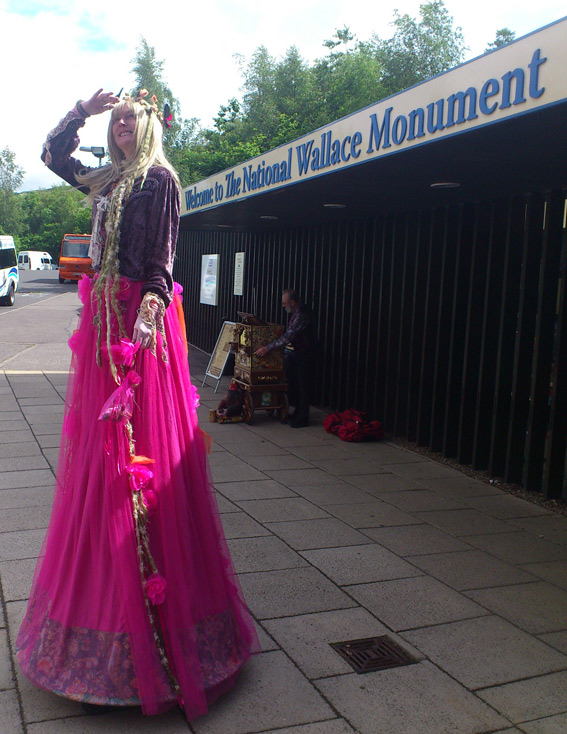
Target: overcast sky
(54,52)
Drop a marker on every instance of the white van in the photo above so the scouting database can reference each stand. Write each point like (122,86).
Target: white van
(34,260)
(9,276)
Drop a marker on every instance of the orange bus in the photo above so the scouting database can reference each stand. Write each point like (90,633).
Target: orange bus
(74,259)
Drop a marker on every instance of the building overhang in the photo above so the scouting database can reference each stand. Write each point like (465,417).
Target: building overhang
(495,126)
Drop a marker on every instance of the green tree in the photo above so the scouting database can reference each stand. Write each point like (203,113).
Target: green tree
(11,178)
(348,79)
(503,36)
(48,214)
(149,73)
(420,49)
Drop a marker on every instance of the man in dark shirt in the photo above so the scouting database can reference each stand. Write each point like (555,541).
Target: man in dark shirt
(298,343)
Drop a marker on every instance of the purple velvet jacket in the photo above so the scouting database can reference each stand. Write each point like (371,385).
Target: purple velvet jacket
(150,221)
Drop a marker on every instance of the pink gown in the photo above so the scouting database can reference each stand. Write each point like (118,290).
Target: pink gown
(94,625)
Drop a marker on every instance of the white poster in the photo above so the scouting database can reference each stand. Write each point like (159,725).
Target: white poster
(209,274)
(238,273)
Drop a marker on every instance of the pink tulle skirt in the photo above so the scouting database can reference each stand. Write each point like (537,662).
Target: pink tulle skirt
(94,631)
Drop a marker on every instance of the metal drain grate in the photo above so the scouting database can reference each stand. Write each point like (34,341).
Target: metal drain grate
(372,653)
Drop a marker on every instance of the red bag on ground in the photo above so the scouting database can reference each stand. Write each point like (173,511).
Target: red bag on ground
(352,425)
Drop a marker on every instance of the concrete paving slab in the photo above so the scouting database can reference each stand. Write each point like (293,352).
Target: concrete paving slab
(245,449)
(270,693)
(550,527)
(319,533)
(504,506)
(241,525)
(349,467)
(31,478)
(418,500)
(43,413)
(30,497)
(301,477)
(292,508)
(7,679)
(558,640)
(531,699)
(271,594)
(333,494)
(43,706)
(371,514)
(23,518)
(11,424)
(225,505)
(336,726)
(129,721)
(519,547)
(18,436)
(554,572)
(409,603)
(53,399)
(46,428)
(460,486)
(359,564)
(20,448)
(319,452)
(20,463)
(17,578)
(464,522)
(51,441)
(10,410)
(236,470)
(413,698)
(21,544)
(284,462)
(261,489)
(10,713)
(383,482)
(486,651)
(307,638)
(263,554)
(413,540)
(522,604)
(471,569)
(549,725)
(386,452)
(424,470)
(297,437)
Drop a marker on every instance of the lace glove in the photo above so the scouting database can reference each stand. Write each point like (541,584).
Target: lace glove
(149,322)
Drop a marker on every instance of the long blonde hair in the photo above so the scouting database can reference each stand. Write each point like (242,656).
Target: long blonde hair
(123,172)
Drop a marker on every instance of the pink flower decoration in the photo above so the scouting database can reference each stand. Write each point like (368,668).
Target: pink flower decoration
(140,474)
(125,353)
(150,500)
(84,286)
(156,587)
(74,341)
(177,288)
(195,397)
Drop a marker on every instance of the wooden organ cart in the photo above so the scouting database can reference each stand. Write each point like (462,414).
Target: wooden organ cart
(262,378)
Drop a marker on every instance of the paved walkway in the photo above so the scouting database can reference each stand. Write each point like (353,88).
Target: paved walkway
(333,542)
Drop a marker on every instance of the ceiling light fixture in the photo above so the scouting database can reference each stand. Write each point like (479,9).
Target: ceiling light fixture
(445,185)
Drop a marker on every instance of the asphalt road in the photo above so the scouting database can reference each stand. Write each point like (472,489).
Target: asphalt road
(34,331)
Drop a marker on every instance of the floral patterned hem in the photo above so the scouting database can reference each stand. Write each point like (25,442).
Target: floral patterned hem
(92,666)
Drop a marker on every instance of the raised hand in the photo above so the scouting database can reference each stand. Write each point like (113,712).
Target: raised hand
(100,102)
